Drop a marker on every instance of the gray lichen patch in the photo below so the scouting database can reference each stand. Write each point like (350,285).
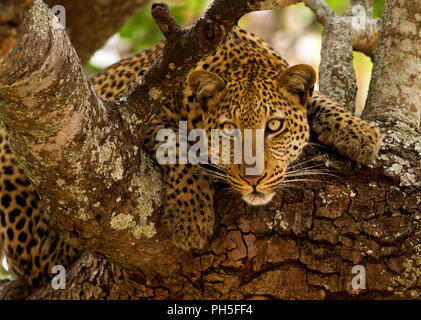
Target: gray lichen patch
(408,279)
(122,221)
(155,93)
(108,163)
(41,21)
(84,215)
(408,138)
(131,120)
(82,200)
(127,222)
(147,187)
(281,219)
(404,135)
(117,173)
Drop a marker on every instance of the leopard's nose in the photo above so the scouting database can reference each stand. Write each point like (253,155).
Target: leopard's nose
(253,180)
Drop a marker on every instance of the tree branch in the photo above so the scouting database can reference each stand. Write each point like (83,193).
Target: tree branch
(356,30)
(395,89)
(367,4)
(364,28)
(321,10)
(89,24)
(82,154)
(14,290)
(336,74)
(99,186)
(163,18)
(366,217)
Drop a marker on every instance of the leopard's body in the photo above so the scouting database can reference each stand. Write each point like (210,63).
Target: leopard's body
(244,84)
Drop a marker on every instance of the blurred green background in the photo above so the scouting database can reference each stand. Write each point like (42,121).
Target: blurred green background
(143,31)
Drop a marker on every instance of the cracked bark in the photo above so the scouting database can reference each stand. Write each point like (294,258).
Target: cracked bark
(303,245)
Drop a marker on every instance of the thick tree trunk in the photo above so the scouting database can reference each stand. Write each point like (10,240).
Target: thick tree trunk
(303,245)
(397,70)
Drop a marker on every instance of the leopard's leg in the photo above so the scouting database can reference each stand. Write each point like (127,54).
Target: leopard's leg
(338,128)
(188,214)
(32,246)
(188,209)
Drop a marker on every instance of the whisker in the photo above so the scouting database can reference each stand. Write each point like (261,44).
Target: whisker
(310,173)
(286,186)
(297,163)
(213,165)
(316,167)
(317,144)
(211,173)
(304,180)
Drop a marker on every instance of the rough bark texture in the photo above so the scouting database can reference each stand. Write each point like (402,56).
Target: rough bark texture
(13,290)
(336,72)
(365,29)
(89,24)
(395,90)
(303,245)
(356,30)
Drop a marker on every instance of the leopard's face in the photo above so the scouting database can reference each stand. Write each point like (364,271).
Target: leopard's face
(273,112)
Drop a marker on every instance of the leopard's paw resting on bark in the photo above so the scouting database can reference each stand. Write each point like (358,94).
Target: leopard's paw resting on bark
(188,213)
(359,140)
(338,128)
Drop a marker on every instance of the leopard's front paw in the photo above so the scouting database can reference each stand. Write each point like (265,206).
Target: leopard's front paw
(189,226)
(359,140)
(188,214)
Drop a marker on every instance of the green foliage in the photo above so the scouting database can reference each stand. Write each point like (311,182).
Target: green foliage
(91,69)
(378,6)
(4,274)
(340,6)
(143,31)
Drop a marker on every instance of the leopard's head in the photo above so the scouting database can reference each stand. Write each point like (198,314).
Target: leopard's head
(267,100)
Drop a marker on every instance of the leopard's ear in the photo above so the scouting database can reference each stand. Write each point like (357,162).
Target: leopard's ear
(208,87)
(299,80)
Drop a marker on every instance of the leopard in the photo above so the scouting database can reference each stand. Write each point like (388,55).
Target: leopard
(243,84)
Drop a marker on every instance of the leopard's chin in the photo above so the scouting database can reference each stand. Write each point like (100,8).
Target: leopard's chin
(258,198)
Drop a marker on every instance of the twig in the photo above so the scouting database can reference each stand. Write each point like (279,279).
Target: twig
(163,18)
(321,10)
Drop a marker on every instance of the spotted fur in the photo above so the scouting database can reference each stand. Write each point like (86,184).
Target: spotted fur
(245,84)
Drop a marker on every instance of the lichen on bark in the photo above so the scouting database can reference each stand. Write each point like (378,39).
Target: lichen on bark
(395,89)
(303,245)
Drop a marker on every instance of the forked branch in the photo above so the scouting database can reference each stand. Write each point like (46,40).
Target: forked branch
(82,152)
(355,30)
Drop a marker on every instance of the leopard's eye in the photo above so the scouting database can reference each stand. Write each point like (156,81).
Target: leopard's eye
(275,125)
(228,128)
